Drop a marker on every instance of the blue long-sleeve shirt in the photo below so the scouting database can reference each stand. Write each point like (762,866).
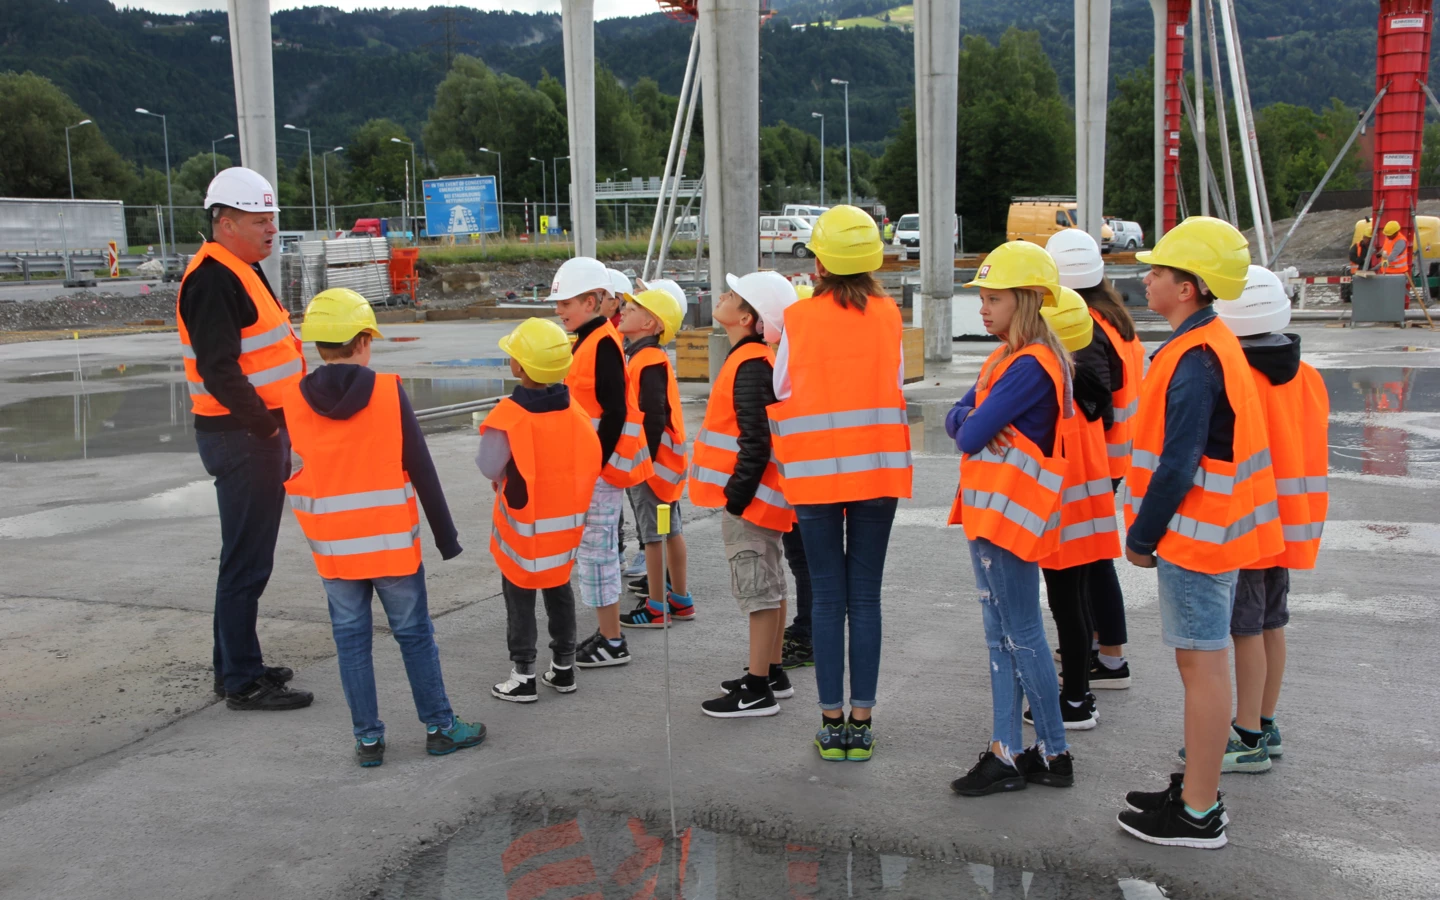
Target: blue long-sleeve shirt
(1198,421)
(1024,397)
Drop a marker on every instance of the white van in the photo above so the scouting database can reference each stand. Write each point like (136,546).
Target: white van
(907,235)
(785,234)
(800,209)
(1128,235)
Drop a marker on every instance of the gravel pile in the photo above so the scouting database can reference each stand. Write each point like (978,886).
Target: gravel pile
(86,309)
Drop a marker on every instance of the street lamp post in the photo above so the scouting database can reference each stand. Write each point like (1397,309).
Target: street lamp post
(68,167)
(325,173)
(499,186)
(849,197)
(626,169)
(555,177)
(310,152)
(214,163)
(544,200)
(821,117)
(415,168)
(169,194)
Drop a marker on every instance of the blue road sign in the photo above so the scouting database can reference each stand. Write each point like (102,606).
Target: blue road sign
(461,206)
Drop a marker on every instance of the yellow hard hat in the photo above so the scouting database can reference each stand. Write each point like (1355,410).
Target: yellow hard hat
(804,291)
(1070,320)
(665,307)
(336,315)
(1392,228)
(541,348)
(1019,264)
(1208,248)
(846,241)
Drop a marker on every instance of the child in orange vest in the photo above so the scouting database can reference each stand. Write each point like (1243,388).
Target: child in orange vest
(649,322)
(542,457)
(365,461)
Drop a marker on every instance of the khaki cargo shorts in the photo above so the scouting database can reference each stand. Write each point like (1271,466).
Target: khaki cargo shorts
(757,564)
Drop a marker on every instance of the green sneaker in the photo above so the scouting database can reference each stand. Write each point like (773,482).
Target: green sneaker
(1272,738)
(1240,758)
(833,740)
(370,753)
(458,736)
(861,741)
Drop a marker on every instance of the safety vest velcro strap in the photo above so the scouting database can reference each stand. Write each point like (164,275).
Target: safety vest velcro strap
(1026,463)
(260,378)
(543,526)
(1309,484)
(846,465)
(319,506)
(718,440)
(1208,533)
(542,564)
(1097,488)
(375,543)
(1123,413)
(1087,528)
(1296,534)
(1216,483)
(1010,510)
(1121,449)
(855,418)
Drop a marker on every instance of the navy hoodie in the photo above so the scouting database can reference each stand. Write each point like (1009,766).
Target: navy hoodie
(339,391)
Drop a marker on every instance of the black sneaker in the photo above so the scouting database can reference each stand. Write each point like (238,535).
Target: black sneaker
(264,695)
(780,684)
(596,651)
(562,680)
(277,674)
(370,754)
(1104,678)
(640,587)
(741,702)
(1150,801)
(989,776)
(643,616)
(517,688)
(797,655)
(1058,772)
(1076,718)
(1172,826)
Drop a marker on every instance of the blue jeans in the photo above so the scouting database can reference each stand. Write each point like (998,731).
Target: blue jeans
(1020,663)
(845,546)
(1195,608)
(404,600)
(249,475)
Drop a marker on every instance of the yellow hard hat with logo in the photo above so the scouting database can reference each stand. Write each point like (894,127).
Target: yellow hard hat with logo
(541,348)
(336,315)
(1392,228)
(663,305)
(846,241)
(1019,264)
(1070,320)
(1211,249)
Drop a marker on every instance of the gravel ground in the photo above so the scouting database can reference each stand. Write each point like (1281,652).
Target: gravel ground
(87,309)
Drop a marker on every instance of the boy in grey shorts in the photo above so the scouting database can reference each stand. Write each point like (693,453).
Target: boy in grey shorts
(1257,625)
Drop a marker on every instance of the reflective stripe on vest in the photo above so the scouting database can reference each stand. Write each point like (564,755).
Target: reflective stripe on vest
(543,564)
(257,379)
(855,418)
(1124,414)
(373,544)
(846,465)
(1212,482)
(668,462)
(319,506)
(1011,510)
(1313,484)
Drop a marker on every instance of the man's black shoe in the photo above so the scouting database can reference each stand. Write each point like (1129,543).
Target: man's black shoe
(263,694)
(277,674)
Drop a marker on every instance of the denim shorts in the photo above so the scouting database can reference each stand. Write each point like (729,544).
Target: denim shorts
(1195,607)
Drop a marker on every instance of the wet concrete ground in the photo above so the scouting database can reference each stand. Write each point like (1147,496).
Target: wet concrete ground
(115,762)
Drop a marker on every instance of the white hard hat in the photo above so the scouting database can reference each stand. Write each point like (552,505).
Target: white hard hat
(620,285)
(768,293)
(579,275)
(240,188)
(665,284)
(1261,309)
(1077,256)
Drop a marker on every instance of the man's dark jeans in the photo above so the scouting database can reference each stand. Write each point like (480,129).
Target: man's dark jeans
(250,474)
(800,568)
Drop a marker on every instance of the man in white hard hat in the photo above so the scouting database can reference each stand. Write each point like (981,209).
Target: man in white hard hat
(240,354)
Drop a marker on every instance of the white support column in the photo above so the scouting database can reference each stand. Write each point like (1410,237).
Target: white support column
(1202,148)
(730,79)
(937,73)
(578,23)
(1092,80)
(1158,7)
(251,61)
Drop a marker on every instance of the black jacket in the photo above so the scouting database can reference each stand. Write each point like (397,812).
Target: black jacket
(1276,356)
(654,394)
(339,391)
(609,387)
(754,391)
(1092,381)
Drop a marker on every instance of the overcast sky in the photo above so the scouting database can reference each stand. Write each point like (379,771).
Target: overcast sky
(604,9)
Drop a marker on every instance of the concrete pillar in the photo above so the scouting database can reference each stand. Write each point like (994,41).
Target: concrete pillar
(937,73)
(578,18)
(730,80)
(1092,80)
(255,98)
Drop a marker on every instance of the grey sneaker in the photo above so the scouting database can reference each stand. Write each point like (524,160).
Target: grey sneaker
(861,738)
(1240,758)
(1272,738)
(833,740)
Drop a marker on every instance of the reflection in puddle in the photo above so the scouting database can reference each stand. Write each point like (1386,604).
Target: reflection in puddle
(97,373)
(194,499)
(531,853)
(494,362)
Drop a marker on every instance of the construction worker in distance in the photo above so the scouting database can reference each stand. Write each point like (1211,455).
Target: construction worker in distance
(1199,506)
(1296,407)
(1393,257)
(240,354)
(1360,244)
(1077,256)
(734,469)
(1089,537)
(649,322)
(542,456)
(363,465)
(1008,428)
(798,651)
(842,442)
(597,383)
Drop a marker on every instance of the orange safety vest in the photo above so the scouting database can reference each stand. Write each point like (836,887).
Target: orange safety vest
(1297,420)
(1119,437)
(558,455)
(843,433)
(352,495)
(270,354)
(667,479)
(1013,499)
(717,447)
(1386,266)
(629,464)
(1229,518)
(1088,532)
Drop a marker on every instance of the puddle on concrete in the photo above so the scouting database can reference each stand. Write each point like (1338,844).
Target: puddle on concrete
(474,362)
(582,854)
(194,499)
(97,373)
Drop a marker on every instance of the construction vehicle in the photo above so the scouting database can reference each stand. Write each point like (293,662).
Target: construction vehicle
(1034,219)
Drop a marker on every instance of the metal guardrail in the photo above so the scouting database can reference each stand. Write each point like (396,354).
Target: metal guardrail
(455,409)
(24,264)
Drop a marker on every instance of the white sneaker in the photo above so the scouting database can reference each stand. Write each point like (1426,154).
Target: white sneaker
(636,568)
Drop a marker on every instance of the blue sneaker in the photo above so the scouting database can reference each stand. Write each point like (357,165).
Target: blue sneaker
(461,734)
(833,740)
(370,754)
(1272,738)
(1240,758)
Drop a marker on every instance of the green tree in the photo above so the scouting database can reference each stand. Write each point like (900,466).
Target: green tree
(896,178)
(377,165)
(195,173)
(32,144)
